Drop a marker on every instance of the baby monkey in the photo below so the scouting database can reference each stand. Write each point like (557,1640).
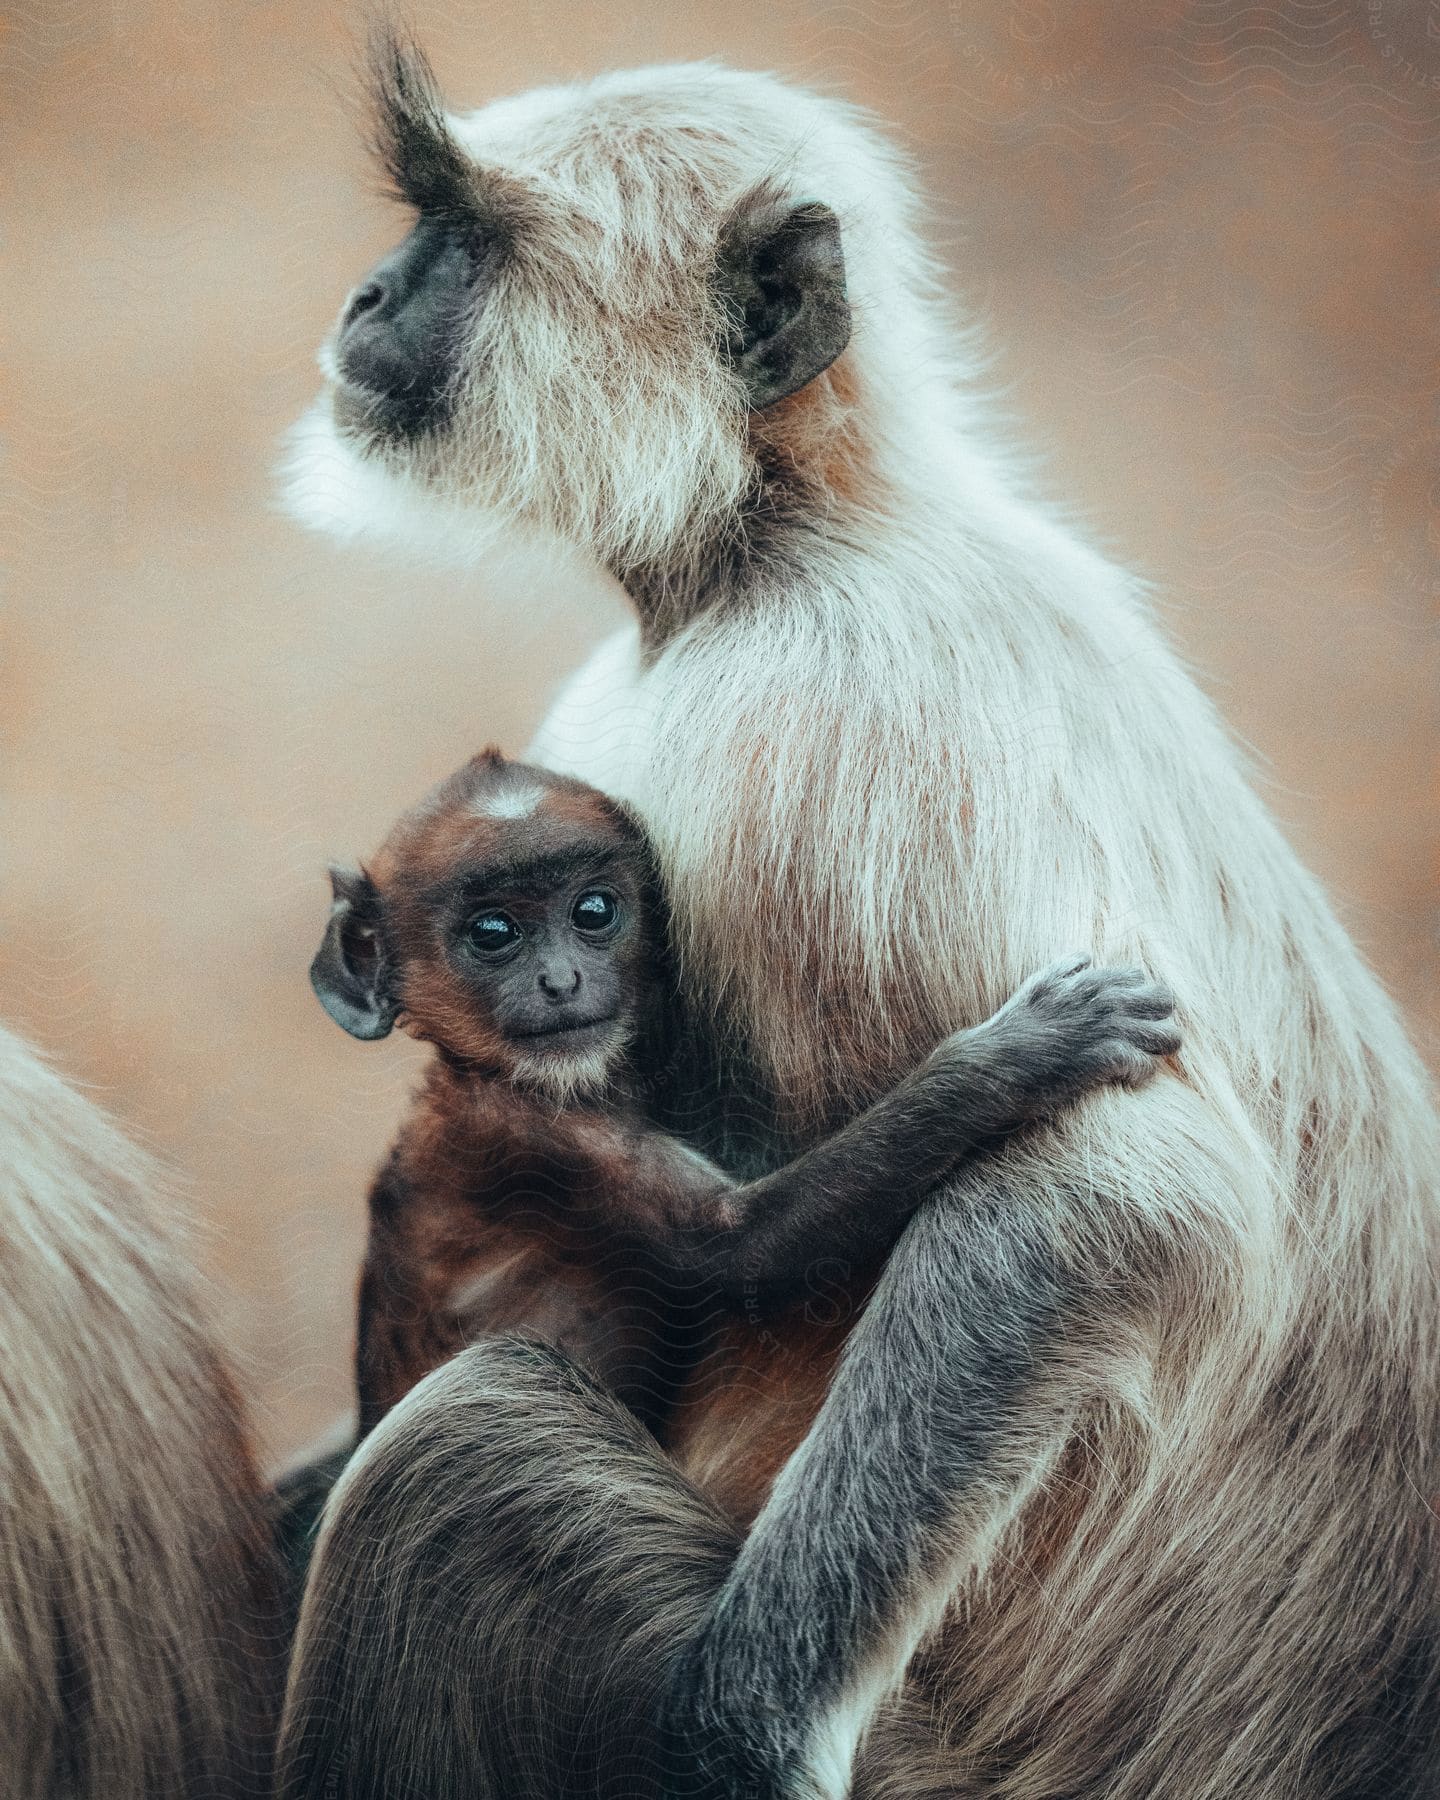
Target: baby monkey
(514,921)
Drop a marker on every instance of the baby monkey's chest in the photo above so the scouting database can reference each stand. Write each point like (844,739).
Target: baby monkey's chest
(455,1263)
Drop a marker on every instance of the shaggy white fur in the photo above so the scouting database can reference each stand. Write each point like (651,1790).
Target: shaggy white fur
(896,751)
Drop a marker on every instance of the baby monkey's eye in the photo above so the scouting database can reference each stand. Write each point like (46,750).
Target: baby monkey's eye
(492,931)
(595,910)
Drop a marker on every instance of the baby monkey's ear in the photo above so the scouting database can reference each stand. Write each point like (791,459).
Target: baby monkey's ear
(351,973)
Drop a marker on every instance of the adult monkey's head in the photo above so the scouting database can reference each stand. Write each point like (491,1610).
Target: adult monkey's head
(623,311)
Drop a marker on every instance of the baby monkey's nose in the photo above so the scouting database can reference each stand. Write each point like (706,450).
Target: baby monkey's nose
(559,981)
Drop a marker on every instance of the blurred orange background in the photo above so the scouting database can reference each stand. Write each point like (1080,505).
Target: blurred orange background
(1201,235)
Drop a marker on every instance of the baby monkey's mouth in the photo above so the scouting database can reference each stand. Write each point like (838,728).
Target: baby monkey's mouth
(566,1028)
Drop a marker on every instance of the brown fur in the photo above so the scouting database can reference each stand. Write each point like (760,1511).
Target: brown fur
(497,1213)
(755,1395)
(498,1210)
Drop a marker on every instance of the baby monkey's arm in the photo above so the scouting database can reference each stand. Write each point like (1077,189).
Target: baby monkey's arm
(1070,1029)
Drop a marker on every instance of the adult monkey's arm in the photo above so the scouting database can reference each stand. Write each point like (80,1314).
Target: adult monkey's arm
(1011,1303)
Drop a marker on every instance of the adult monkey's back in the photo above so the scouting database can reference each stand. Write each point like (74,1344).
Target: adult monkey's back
(140,1628)
(1152,1393)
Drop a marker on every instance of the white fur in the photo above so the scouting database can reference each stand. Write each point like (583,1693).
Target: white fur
(568,1079)
(935,745)
(511,803)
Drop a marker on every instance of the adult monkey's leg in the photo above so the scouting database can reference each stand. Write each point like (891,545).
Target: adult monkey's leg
(512,1576)
(506,1574)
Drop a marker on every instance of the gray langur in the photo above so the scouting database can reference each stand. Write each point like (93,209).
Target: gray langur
(1121,1482)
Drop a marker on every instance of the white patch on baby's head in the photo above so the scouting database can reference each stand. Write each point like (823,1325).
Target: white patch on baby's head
(511,803)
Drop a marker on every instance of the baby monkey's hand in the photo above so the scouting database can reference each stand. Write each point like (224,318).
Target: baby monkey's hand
(1070,1029)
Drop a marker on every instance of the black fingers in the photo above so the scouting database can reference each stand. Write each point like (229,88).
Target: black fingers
(1146,999)
(1157,1040)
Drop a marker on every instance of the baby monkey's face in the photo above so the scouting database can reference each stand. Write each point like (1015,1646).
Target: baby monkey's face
(530,955)
(506,920)
(540,959)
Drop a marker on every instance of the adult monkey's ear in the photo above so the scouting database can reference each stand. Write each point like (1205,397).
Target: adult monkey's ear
(350,972)
(780,278)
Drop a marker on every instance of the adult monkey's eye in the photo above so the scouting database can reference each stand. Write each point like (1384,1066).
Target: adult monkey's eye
(595,910)
(489,932)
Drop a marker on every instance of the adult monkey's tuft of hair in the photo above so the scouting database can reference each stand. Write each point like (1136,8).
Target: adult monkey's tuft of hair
(1122,1484)
(426,167)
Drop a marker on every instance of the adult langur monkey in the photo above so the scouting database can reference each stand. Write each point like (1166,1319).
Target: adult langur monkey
(1120,1486)
(139,1640)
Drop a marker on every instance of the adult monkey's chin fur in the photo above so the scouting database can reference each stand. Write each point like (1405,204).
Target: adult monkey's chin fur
(336,485)
(1152,1394)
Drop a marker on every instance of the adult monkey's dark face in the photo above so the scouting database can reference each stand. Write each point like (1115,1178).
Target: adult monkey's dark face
(402,330)
(400,341)
(603,284)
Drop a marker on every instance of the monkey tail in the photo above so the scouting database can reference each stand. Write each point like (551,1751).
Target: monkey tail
(139,1647)
(506,1575)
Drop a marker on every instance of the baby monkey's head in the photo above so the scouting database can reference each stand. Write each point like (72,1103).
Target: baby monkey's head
(511,920)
